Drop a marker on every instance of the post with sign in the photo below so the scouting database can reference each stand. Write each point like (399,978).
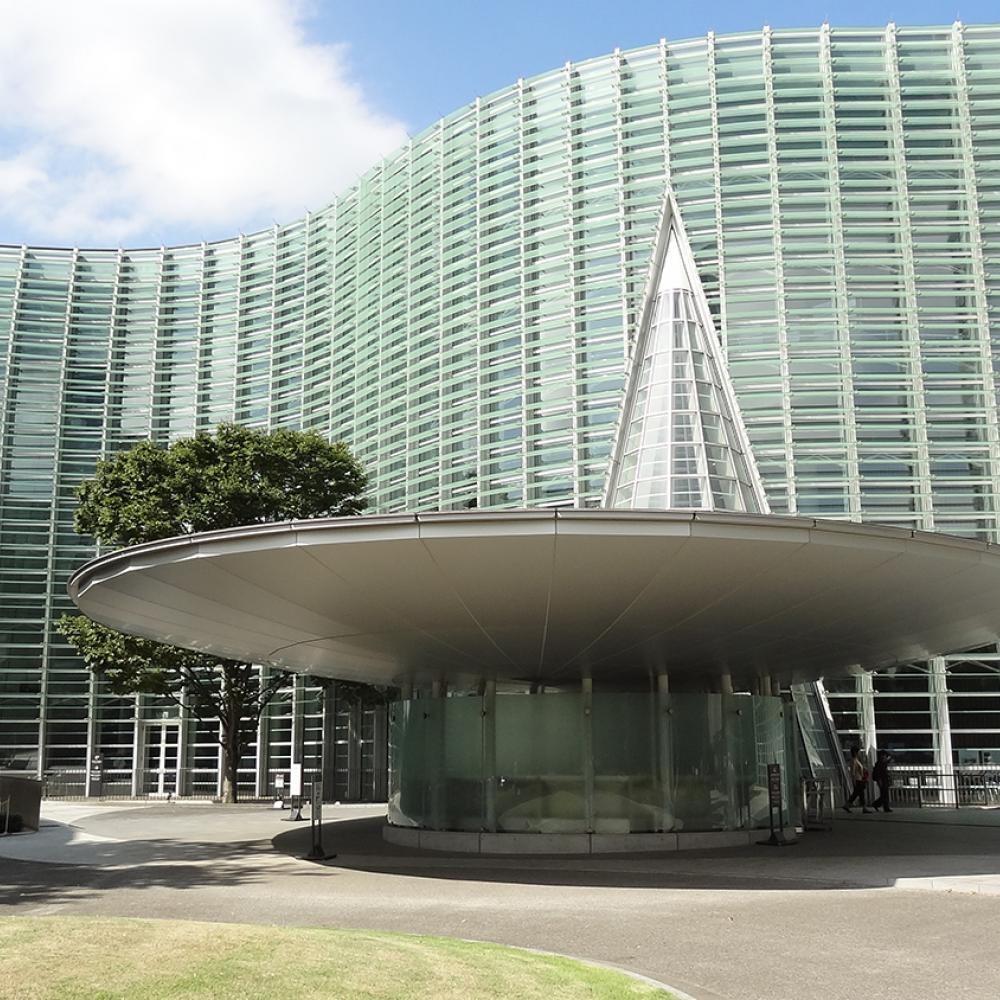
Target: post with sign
(316,852)
(95,775)
(295,793)
(776,809)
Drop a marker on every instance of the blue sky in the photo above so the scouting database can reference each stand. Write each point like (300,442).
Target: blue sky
(144,122)
(420,61)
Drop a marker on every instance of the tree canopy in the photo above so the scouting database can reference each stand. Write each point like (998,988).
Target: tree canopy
(236,476)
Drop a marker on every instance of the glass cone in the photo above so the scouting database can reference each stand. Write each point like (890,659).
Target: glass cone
(681,443)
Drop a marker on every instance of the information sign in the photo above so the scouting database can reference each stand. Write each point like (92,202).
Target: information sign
(317,852)
(776,810)
(96,773)
(774,785)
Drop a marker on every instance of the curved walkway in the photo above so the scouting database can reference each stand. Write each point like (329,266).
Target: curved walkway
(836,916)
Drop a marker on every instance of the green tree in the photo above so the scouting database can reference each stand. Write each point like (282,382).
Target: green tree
(234,477)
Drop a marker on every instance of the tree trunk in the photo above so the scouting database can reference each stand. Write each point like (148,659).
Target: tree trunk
(231,753)
(232,743)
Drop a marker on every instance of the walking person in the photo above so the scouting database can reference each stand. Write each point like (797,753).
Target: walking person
(859,775)
(880,775)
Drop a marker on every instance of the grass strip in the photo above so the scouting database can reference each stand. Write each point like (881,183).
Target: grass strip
(91,958)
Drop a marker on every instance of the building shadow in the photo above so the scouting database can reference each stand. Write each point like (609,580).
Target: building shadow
(859,853)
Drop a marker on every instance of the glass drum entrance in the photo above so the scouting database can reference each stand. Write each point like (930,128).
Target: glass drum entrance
(588,762)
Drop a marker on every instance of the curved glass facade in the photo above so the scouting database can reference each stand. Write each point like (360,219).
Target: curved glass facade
(610,762)
(462,316)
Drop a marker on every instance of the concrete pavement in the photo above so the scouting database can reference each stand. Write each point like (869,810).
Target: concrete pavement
(837,916)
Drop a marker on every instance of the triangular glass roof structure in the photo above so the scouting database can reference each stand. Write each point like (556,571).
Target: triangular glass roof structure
(681,443)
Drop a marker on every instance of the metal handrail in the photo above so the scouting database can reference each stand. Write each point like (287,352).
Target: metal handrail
(817,804)
(193,783)
(974,787)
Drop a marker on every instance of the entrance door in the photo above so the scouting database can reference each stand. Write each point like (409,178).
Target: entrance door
(160,771)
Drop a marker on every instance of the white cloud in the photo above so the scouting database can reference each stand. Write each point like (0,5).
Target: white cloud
(124,119)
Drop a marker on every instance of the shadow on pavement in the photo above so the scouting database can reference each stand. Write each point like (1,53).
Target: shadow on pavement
(857,854)
(146,864)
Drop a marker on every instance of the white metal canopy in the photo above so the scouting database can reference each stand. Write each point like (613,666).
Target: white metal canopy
(555,595)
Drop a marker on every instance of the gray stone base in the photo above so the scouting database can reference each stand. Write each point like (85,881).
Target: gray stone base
(569,843)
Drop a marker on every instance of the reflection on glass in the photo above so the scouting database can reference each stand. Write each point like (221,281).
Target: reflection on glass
(684,762)
(628,796)
(539,756)
(462,777)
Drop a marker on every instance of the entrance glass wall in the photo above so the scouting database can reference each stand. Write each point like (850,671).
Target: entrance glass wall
(581,762)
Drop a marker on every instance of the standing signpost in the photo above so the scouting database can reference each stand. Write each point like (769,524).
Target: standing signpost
(316,852)
(775,807)
(295,793)
(95,777)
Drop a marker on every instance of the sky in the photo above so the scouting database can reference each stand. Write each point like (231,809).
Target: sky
(148,122)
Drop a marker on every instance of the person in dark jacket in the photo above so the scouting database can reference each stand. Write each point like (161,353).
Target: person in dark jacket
(880,775)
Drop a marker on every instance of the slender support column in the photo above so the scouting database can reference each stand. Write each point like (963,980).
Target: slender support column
(866,713)
(941,721)
(378,790)
(296,755)
(400,710)
(93,733)
(329,751)
(587,690)
(137,739)
(729,723)
(262,757)
(490,756)
(183,745)
(354,728)
(665,765)
(220,763)
(437,707)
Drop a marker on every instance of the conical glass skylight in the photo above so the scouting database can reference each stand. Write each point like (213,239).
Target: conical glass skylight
(681,443)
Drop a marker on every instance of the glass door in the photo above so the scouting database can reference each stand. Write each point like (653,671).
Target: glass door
(160,762)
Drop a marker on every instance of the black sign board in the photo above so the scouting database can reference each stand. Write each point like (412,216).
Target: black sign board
(317,851)
(96,772)
(774,785)
(776,809)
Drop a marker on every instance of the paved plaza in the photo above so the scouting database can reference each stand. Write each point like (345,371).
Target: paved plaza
(899,906)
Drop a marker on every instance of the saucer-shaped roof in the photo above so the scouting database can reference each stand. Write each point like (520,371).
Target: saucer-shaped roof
(553,596)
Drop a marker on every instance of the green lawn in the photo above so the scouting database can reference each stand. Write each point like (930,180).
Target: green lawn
(85,958)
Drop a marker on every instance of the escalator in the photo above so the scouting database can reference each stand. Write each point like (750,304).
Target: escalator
(820,755)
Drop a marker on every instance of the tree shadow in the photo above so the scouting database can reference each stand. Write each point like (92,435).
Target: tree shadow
(27,884)
(63,863)
(859,853)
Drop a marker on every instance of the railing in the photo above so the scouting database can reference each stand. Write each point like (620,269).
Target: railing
(817,804)
(64,784)
(197,783)
(117,783)
(927,789)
